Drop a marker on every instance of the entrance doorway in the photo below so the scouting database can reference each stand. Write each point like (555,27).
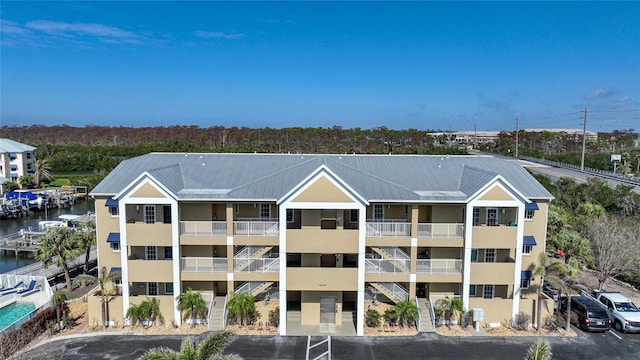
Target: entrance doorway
(328,310)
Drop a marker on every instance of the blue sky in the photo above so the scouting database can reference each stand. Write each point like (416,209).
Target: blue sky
(422,65)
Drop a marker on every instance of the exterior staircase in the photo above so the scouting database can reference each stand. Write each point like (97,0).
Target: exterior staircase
(216,316)
(426,324)
(254,288)
(397,257)
(393,291)
(248,253)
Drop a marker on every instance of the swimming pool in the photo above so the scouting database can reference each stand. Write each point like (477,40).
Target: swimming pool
(13,312)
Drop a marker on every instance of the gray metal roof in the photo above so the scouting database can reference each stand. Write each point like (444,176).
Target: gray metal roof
(270,176)
(8,145)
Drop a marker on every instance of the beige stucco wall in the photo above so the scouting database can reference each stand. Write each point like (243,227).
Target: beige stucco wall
(147,191)
(496,193)
(495,310)
(322,241)
(322,190)
(166,307)
(447,214)
(157,234)
(150,270)
(494,237)
(331,279)
(114,311)
(310,306)
(106,224)
(197,212)
(492,273)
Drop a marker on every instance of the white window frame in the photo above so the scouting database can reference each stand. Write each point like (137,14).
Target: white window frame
(290,215)
(528,214)
(265,209)
(473,293)
(149,214)
(151,253)
(490,255)
(477,255)
(488,291)
(353,215)
(115,247)
(524,284)
(476,216)
(527,249)
(114,211)
(166,290)
(378,212)
(492,221)
(150,287)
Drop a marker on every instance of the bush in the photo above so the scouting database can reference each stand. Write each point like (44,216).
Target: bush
(390,317)
(274,316)
(553,322)
(33,328)
(467,319)
(372,318)
(522,321)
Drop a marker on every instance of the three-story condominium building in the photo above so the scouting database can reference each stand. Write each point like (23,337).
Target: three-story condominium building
(16,160)
(322,234)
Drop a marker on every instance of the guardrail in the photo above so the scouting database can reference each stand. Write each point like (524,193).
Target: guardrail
(602,173)
(38,269)
(203,228)
(439,230)
(388,228)
(384,266)
(203,264)
(438,266)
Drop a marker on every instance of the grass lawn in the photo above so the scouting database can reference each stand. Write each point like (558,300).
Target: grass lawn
(59,182)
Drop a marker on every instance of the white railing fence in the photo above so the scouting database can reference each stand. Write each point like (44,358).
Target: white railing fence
(396,290)
(377,266)
(439,266)
(263,264)
(203,264)
(256,227)
(388,228)
(445,231)
(203,228)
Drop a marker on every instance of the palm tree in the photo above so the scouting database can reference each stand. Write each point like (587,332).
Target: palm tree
(546,270)
(58,303)
(102,280)
(209,348)
(241,307)
(541,350)
(192,304)
(86,238)
(43,171)
(58,245)
(407,313)
(149,311)
(453,306)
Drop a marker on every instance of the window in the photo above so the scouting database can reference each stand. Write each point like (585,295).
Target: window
(492,217)
(115,246)
(353,215)
(150,253)
(528,214)
(289,215)
(152,289)
(524,284)
(117,282)
(472,290)
(265,211)
(166,214)
(168,252)
(29,166)
(378,212)
(168,288)
(149,214)
(489,255)
(476,216)
(28,155)
(237,208)
(114,211)
(474,255)
(526,249)
(488,291)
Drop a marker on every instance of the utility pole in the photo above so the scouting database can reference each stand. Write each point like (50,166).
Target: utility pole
(517,138)
(584,138)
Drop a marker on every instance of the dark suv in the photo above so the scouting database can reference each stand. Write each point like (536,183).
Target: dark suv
(588,315)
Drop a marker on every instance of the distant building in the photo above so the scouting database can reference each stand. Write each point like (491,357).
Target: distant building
(16,160)
(488,136)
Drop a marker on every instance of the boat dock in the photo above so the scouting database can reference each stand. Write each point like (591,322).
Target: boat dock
(38,269)
(23,241)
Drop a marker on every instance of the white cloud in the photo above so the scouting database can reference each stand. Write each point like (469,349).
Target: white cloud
(220,35)
(599,94)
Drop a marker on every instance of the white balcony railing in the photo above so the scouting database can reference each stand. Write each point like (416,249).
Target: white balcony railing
(263,264)
(380,266)
(388,228)
(439,266)
(203,264)
(256,227)
(442,231)
(396,290)
(203,228)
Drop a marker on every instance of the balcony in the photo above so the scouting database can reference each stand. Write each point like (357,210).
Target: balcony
(388,228)
(141,234)
(499,273)
(494,236)
(440,231)
(386,266)
(203,265)
(256,227)
(150,270)
(439,266)
(203,228)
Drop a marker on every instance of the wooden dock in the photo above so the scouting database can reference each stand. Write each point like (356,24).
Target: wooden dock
(23,241)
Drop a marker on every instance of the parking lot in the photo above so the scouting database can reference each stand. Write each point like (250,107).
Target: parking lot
(608,345)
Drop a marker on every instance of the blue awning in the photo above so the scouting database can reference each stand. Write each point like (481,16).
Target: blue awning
(111,202)
(12,155)
(14,175)
(529,240)
(13,167)
(531,206)
(115,269)
(113,238)
(526,275)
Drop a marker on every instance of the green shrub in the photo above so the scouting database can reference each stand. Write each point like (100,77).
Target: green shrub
(372,318)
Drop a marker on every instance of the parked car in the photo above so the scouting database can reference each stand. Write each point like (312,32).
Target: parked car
(587,314)
(624,314)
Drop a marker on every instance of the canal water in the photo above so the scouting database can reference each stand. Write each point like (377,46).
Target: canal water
(11,226)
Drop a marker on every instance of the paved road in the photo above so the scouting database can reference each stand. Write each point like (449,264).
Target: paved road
(610,346)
